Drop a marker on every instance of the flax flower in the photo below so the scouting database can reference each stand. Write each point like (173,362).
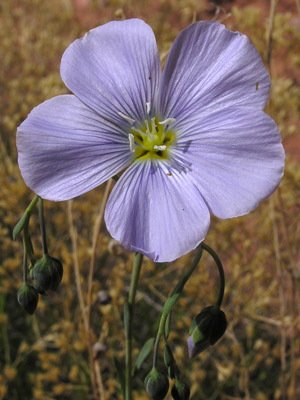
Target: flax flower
(190,141)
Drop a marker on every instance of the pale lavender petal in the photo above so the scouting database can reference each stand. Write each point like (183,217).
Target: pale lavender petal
(210,67)
(195,349)
(115,68)
(66,149)
(236,158)
(159,215)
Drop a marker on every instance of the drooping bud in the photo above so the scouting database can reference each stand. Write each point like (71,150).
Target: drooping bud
(207,328)
(157,384)
(28,297)
(47,273)
(180,391)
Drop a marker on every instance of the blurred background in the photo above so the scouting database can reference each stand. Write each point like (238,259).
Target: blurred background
(59,353)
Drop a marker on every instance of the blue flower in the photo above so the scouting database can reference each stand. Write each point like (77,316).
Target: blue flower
(192,140)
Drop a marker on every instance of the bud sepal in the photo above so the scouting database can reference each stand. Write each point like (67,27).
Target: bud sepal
(180,391)
(47,273)
(207,328)
(28,298)
(157,384)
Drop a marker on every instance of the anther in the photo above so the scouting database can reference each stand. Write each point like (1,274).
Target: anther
(161,148)
(130,120)
(167,121)
(148,107)
(131,142)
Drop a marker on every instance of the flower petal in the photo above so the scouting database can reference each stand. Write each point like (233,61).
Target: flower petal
(115,68)
(156,214)
(236,158)
(210,67)
(66,149)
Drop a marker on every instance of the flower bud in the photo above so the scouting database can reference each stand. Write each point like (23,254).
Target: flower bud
(206,330)
(180,391)
(157,384)
(47,273)
(28,297)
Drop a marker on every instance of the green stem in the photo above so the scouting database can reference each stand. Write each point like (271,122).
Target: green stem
(24,262)
(32,204)
(172,300)
(25,218)
(42,225)
(138,259)
(28,249)
(221,272)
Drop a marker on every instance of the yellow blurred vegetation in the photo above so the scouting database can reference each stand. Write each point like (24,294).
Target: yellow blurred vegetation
(47,356)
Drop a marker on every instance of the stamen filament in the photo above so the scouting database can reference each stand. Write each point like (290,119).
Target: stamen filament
(130,120)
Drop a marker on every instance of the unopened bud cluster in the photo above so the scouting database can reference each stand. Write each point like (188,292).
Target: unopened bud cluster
(47,274)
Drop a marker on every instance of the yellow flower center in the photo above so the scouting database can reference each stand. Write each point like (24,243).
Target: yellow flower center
(152,140)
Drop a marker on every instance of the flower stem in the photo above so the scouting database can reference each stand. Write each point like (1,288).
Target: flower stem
(24,262)
(221,272)
(172,300)
(42,225)
(129,309)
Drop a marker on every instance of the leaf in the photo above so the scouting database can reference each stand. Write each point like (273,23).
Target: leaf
(120,374)
(20,225)
(144,353)
(168,324)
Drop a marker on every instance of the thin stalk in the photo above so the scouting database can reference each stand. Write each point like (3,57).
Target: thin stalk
(32,204)
(96,231)
(24,262)
(221,272)
(28,248)
(95,240)
(42,225)
(172,300)
(73,234)
(138,259)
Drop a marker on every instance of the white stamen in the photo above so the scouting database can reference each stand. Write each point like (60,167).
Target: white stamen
(148,107)
(153,126)
(131,142)
(148,129)
(130,120)
(168,121)
(139,131)
(161,148)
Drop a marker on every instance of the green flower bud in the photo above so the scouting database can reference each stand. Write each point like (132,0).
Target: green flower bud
(180,391)
(47,273)
(28,297)
(206,329)
(157,384)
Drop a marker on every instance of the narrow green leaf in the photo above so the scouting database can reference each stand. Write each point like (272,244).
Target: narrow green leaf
(120,373)
(167,325)
(144,353)
(20,225)
(25,217)
(170,303)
